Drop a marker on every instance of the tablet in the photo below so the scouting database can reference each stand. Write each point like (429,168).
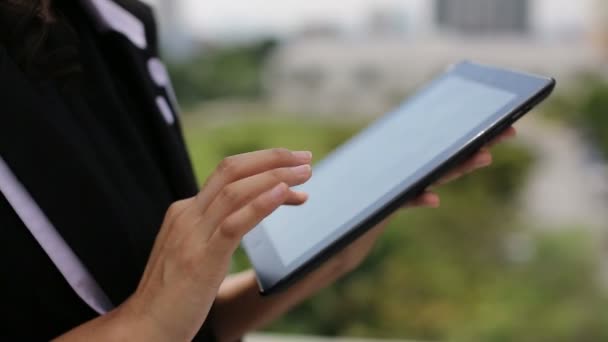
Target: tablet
(392,161)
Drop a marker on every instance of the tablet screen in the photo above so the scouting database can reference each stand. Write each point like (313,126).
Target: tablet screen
(362,172)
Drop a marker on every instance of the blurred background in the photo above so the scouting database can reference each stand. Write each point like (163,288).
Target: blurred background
(518,252)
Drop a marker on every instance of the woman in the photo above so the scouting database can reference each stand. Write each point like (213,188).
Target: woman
(105,233)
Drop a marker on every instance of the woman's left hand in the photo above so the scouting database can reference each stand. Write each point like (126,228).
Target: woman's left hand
(353,255)
(241,290)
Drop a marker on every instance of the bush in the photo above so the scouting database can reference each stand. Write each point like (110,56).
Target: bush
(221,72)
(587,109)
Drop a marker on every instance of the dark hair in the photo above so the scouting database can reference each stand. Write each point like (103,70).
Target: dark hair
(39,8)
(27,19)
(34,36)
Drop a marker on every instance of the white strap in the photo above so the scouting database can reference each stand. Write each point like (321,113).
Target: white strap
(51,242)
(113,17)
(159,73)
(165,110)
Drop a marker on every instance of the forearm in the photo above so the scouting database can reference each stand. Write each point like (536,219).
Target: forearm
(121,324)
(102,328)
(240,308)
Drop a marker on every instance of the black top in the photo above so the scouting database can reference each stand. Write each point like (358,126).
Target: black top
(81,130)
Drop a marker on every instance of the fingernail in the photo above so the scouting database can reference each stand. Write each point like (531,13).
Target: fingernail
(277,192)
(302,171)
(483,161)
(303,156)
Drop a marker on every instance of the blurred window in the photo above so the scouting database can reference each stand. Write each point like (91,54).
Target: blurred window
(483,16)
(309,77)
(367,76)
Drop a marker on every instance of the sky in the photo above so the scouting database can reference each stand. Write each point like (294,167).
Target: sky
(249,17)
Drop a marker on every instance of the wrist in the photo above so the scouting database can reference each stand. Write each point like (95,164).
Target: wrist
(139,323)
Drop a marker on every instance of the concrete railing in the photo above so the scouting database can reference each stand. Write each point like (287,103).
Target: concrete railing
(295,338)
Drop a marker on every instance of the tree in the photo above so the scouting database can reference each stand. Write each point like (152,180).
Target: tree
(222,72)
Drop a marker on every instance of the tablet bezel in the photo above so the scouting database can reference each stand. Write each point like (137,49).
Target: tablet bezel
(529,90)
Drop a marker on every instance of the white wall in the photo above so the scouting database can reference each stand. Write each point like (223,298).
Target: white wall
(550,18)
(555,18)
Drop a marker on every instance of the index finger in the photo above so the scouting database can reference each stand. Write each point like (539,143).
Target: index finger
(241,166)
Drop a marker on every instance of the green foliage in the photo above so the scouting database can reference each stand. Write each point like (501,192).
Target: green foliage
(586,108)
(594,110)
(229,71)
(209,145)
(551,298)
(446,274)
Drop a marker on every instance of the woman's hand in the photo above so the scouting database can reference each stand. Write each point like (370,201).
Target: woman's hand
(193,250)
(195,245)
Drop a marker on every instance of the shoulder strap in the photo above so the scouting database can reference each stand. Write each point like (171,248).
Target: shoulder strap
(62,256)
(110,16)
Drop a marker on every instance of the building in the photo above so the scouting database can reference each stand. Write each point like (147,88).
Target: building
(369,74)
(334,76)
(388,21)
(600,32)
(483,16)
